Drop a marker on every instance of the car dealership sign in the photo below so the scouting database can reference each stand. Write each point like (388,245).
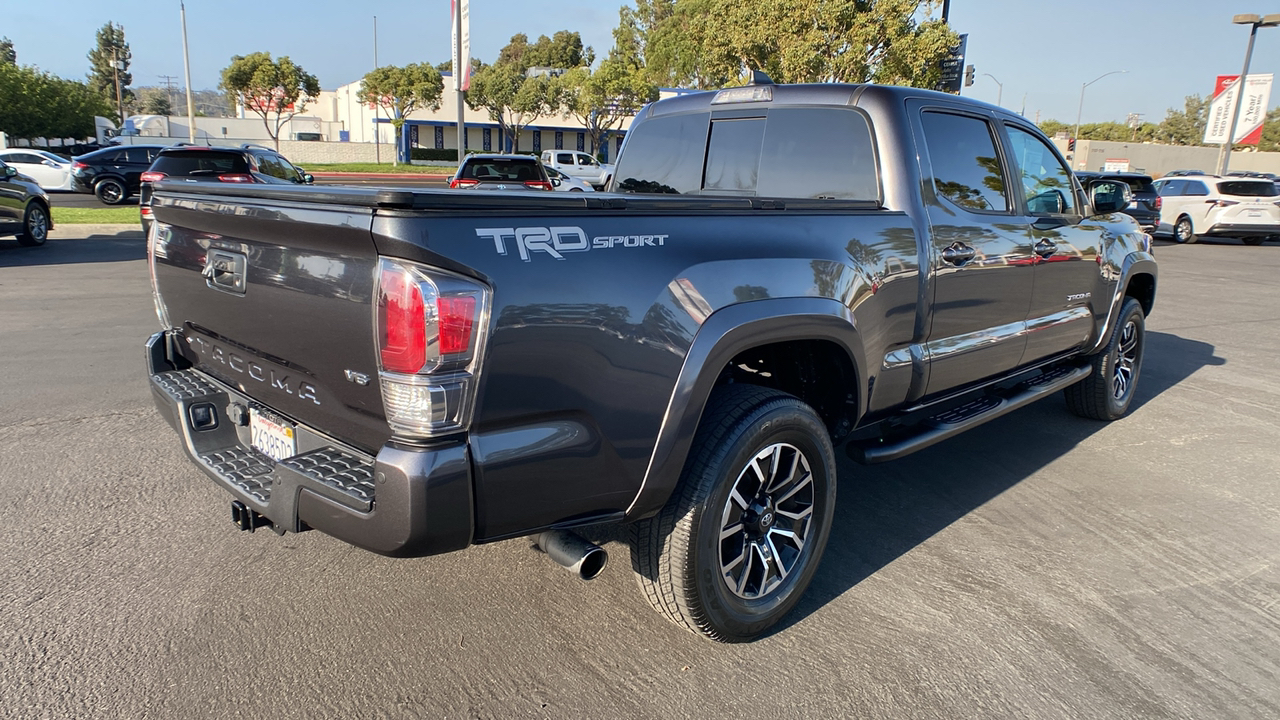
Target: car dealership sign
(1257,94)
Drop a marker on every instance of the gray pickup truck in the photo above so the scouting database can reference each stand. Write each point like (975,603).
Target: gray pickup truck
(779,271)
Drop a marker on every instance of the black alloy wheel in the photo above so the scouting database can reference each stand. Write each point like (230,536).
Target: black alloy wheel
(1107,392)
(111,191)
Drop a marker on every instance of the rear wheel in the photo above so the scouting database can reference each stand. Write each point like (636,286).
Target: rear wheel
(35,226)
(111,191)
(1107,392)
(1183,232)
(741,537)
(1254,240)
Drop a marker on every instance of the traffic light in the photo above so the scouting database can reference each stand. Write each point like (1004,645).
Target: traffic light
(1071,145)
(968,75)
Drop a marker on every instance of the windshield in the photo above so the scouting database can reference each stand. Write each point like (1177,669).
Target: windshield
(1248,188)
(55,158)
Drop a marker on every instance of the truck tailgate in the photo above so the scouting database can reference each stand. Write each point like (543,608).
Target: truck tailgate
(275,300)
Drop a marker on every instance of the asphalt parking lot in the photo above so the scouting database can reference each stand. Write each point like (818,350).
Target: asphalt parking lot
(1040,566)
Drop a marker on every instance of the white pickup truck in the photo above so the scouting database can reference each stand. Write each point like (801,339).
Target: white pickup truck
(580,165)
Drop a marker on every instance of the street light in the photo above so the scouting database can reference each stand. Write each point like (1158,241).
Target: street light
(1080,111)
(1255,21)
(1000,92)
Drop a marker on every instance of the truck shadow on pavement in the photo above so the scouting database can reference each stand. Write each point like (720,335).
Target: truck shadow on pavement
(103,247)
(884,511)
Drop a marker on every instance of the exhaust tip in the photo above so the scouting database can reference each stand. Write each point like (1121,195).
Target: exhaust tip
(573,552)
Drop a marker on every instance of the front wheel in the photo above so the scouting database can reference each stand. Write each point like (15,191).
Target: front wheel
(1183,232)
(35,226)
(1107,392)
(1254,240)
(111,191)
(740,539)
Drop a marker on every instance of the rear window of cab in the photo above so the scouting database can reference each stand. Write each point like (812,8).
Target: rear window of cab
(785,152)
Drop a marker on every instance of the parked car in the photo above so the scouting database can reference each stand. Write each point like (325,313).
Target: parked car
(1180,173)
(114,173)
(566,183)
(799,268)
(24,208)
(500,172)
(1145,207)
(49,171)
(196,163)
(1195,206)
(580,165)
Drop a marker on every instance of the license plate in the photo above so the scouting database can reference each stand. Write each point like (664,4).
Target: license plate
(272,435)
(1255,213)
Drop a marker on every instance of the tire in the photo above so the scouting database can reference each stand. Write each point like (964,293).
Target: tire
(1107,393)
(35,226)
(1183,232)
(576,190)
(1254,240)
(683,564)
(111,191)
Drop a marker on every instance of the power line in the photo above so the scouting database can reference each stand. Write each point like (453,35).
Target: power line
(168,81)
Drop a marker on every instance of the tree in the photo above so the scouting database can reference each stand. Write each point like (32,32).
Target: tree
(278,88)
(1270,141)
(42,105)
(512,99)
(154,101)
(111,48)
(601,100)
(712,43)
(8,56)
(402,90)
(1186,126)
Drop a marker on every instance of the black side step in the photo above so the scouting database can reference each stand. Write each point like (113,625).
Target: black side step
(989,406)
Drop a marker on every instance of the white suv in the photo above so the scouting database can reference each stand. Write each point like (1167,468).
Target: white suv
(1193,206)
(580,165)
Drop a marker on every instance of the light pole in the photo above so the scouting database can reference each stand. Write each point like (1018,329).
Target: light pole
(1255,21)
(1000,92)
(116,67)
(1080,111)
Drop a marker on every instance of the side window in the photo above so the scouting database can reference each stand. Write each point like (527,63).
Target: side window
(1171,188)
(25,158)
(287,170)
(733,157)
(137,156)
(267,165)
(1046,182)
(1195,187)
(586,160)
(564,158)
(818,153)
(965,164)
(664,155)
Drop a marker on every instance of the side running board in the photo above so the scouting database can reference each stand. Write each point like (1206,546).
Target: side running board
(988,406)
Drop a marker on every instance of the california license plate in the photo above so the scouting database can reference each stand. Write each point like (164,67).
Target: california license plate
(272,435)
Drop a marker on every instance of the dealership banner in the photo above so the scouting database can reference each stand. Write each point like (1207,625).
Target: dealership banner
(1257,94)
(462,75)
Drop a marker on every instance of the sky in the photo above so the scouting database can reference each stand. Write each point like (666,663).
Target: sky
(1041,51)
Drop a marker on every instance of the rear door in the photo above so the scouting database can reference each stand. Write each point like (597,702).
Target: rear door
(981,259)
(274,298)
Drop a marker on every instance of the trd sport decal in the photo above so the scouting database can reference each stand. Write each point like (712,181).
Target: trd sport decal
(555,241)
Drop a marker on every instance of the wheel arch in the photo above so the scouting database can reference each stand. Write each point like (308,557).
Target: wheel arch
(816,335)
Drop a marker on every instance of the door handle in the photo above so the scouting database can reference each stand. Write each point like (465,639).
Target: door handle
(1044,248)
(957,253)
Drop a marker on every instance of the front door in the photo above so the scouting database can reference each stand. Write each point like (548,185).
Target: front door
(1066,246)
(982,263)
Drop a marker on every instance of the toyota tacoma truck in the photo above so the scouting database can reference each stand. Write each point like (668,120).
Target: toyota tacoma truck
(779,271)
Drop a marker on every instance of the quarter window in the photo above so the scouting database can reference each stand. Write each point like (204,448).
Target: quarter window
(1195,187)
(664,155)
(1046,182)
(966,167)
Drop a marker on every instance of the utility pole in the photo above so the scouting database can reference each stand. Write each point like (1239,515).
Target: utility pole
(168,88)
(459,72)
(377,132)
(115,67)
(186,71)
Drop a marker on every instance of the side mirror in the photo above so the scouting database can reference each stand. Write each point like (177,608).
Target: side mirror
(556,182)
(308,178)
(1109,196)
(10,171)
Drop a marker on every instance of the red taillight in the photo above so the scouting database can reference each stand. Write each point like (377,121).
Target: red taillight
(402,326)
(236,178)
(457,319)
(151,176)
(77,165)
(538,185)
(463,183)
(1159,203)
(146,210)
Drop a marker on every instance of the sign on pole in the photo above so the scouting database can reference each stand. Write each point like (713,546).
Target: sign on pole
(1257,94)
(953,68)
(462,56)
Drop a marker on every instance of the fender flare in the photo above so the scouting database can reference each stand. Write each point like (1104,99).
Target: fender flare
(1135,263)
(724,334)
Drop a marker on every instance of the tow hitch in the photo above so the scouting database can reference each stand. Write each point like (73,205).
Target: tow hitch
(247,519)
